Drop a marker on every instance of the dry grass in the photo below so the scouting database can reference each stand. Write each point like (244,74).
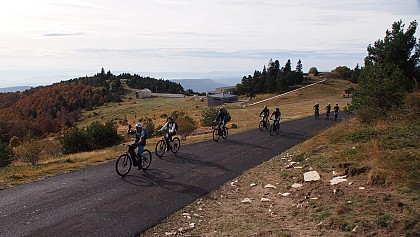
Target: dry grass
(388,204)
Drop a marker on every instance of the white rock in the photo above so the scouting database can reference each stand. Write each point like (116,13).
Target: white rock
(285,194)
(311,176)
(168,233)
(298,167)
(253,185)
(296,185)
(338,179)
(361,188)
(192,225)
(334,173)
(269,186)
(265,200)
(186,214)
(314,198)
(246,200)
(350,183)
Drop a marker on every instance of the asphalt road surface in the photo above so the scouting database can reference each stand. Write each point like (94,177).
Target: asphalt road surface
(97,202)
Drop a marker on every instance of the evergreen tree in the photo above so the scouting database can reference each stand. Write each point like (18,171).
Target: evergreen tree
(399,48)
(299,67)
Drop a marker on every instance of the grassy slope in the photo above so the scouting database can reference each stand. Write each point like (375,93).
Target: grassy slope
(380,197)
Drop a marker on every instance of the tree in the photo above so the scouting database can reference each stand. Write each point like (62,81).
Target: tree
(378,91)
(355,74)
(287,67)
(342,72)
(399,48)
(6,154)
(313,71)
(299,67)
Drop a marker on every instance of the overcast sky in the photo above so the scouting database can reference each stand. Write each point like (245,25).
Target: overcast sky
(46,41)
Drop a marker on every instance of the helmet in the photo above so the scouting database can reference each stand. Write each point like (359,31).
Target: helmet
(171,117)
(138,125)
(265,106)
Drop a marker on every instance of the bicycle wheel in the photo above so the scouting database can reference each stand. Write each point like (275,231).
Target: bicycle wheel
(146,159)
(271,129)
(225,133)
(160,148)
(123,165)
(216,134)
(278,128)
(261,125)
(176,144)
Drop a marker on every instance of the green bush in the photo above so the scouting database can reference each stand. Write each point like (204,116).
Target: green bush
(208,115)
(150,127)
(102,135)
(75,140)
(6,154)
(186,124)
(95,136)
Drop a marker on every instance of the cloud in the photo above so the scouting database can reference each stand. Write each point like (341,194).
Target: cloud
(63,34)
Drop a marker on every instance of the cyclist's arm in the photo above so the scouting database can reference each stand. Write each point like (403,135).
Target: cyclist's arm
(164,126)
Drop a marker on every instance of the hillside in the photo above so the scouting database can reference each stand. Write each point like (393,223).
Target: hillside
(50,109)
(376,194)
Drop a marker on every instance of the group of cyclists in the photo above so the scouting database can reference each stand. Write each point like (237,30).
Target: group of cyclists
(328,109)
(140,132)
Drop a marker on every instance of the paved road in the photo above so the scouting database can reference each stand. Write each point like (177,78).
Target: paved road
(97,202)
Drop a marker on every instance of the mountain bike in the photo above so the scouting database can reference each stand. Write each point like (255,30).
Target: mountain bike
(220,132)
(162,145)
(316,113)
(275,127)
(264,124)
(327,116)
(126,160)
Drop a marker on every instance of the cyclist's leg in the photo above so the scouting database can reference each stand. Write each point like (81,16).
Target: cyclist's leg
(219,127)
(170,134)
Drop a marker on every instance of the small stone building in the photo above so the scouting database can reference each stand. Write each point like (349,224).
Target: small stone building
(145,93)
(221,98)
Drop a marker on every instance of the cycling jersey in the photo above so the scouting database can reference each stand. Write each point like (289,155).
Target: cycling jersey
(172,127)
(276,114)
(266,112)
(336,109)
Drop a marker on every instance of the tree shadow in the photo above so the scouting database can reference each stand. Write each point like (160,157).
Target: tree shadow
(160,178)
(193,159)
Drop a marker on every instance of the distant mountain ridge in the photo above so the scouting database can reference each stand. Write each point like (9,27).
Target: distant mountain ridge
(199,85)
(14,89)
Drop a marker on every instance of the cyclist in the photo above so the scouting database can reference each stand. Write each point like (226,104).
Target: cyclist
(328,108)
(336,109)
(316,108)
(277,115)
(140,143)
(265,112)
(172,128)
(222,117)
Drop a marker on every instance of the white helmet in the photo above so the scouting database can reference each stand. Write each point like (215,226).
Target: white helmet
(138,125)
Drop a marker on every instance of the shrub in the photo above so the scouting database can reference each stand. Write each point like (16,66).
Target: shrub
(14,141)
(102,135)
(30,151)
(186,124)
(75,140)
(209,114)
(150,127)
(6,154)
